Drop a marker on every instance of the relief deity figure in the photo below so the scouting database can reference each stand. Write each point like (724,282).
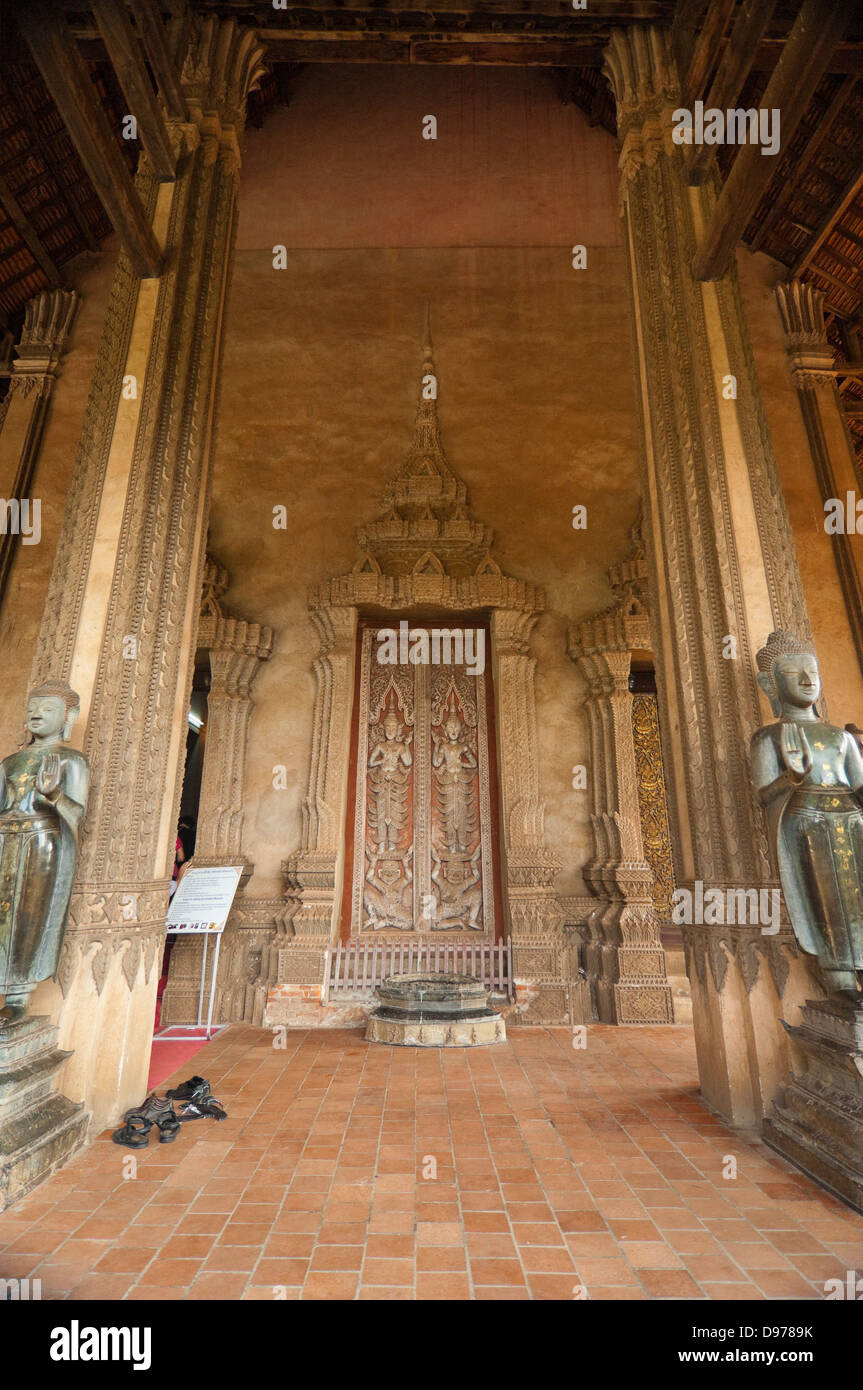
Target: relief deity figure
(389,761)
(43,797)
(458,882)
(455,764)
(809,778)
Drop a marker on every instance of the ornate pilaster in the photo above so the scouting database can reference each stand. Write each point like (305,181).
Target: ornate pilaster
(810,358)
(624,956)
(236,650)
(47,322)
(141,482)
(539,949)
(721,560)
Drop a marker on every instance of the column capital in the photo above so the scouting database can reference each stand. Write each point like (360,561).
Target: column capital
(220,64)
(640,66)
(801,307)
(47,319)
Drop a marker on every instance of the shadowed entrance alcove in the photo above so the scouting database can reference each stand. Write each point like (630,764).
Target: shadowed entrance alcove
(424,554)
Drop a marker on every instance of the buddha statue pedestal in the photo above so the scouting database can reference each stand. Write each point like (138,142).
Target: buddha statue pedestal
(817,1122)
(39,1129)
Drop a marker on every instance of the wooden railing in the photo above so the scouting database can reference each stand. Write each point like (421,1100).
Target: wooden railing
(358,967)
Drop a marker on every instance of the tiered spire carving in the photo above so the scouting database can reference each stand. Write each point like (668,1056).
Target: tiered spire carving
(425,526)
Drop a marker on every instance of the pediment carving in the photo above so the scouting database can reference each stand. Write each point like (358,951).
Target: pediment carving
(425,546)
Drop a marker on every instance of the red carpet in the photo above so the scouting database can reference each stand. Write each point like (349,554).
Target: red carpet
(169,1052)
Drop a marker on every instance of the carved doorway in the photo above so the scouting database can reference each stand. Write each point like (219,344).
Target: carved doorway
(422,826)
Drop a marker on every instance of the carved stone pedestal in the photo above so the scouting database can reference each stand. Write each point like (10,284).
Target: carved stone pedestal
(39,1129)
(817,1122)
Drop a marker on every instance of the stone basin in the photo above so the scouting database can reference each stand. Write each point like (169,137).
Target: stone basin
(434,1009)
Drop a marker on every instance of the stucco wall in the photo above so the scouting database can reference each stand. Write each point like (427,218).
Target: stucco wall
(322,366)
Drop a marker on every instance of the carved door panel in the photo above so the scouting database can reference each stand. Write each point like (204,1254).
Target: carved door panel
(421,852)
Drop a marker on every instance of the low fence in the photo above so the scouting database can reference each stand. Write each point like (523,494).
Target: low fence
(358,967)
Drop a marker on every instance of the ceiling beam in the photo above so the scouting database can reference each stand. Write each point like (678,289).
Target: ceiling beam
(688,15)
(848,196)
(817,30)
(738,54)
(124,51)
(152,31)
(708,46)
(67,79)
(28,234)
(492,50)
(847,58)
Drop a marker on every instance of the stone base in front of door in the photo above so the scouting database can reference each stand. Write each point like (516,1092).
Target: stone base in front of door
(403,1032)
(434,1009)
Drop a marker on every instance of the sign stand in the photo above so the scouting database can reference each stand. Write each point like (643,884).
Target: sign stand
(200,907)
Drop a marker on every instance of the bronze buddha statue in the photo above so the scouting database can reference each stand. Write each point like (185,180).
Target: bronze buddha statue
(809,778)
(43,797)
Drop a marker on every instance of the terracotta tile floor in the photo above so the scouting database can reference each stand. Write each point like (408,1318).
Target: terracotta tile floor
(521,1171)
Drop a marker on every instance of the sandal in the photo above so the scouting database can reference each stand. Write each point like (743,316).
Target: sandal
(161,1112)
(135,1133)
(169,1127)
(195,1088)
(206,1107)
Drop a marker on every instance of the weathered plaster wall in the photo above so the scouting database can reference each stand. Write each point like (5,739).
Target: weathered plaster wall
(21,612)
(840,671)
(322,364)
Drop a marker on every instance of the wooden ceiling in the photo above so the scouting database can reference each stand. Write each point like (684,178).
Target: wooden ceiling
(65,179)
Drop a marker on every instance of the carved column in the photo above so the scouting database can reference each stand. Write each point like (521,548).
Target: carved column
(236,650)
(313,876)
(47,321)
(625,959)
(121,618)
(722,565)
(539,950)
(810,357)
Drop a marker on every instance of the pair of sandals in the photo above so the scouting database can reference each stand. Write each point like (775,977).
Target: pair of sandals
(134,1133)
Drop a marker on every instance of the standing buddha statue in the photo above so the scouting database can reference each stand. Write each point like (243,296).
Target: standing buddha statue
(809,778)
(43,797)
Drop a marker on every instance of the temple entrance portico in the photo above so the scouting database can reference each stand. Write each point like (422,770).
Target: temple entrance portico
(256,509)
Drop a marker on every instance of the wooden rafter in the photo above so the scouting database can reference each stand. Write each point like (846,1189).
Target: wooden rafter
(152,31)
(817,29)
(62,67)
(684,31)
(124,51)
(708,47)
(54,166)
(738,54)
(28,234)
(847,198)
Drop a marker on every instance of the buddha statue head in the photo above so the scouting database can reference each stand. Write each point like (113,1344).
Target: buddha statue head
(788,674)
(52,709)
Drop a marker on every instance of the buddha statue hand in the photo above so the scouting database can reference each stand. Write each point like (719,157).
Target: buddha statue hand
(48,777)
(796,753)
